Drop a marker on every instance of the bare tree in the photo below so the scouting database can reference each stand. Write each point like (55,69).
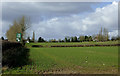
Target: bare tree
(19,26)
(105,35)
(100,36)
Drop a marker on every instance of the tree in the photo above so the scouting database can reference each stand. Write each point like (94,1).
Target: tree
(65,39)
(72,39)
(2,38)
(33,39)
(82,38)
(59,40)
(68,39)
(100,36)
(105,35)
(41,39)
(28,39)
(118,38)
(75,39)
(90,38)
(86,38)
(53,40)
(113,38)
(19,26)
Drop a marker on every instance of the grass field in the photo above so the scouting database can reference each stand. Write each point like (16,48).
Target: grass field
(83,60)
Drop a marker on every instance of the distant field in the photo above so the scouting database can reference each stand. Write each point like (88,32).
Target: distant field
(72,43)
(83,60)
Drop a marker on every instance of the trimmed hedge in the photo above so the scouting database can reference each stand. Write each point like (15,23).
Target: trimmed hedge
(37,46)
(88,45)
(14,54)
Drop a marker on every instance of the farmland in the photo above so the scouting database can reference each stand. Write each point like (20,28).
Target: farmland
(67,60)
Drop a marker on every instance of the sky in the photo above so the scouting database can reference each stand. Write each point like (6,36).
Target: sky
(59,19)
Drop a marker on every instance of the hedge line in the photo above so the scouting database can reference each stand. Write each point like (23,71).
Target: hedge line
(7,45)
(37,46)
(88,45)
(14,54)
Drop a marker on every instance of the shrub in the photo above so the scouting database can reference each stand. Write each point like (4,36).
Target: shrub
(14,54)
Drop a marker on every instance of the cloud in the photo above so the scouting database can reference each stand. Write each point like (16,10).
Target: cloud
(0,28)
(5,26)
(106,17)
(75,25)
(57,20)
(43,10)
(58,0)
(114,33)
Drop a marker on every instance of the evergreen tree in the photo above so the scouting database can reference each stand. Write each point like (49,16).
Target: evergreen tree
(75,39)
(28,39)
(2,38)
(41,39)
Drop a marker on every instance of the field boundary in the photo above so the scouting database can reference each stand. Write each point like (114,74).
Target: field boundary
(85,45)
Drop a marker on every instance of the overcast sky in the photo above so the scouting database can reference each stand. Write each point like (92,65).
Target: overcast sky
(59,19)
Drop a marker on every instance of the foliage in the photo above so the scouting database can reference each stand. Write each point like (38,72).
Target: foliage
(90,38)
(41,39)
(14,54)
(86,38)
(19,26)
(67,39)
(28,39)
(115,38)
(103,35)
(75,39)
(82,38)
(53,40)
(60,40)
(2,38)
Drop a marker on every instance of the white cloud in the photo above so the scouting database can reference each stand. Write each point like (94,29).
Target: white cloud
(114,33)
(58,27)
(74,24)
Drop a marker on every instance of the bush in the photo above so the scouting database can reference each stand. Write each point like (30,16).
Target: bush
(37,46)
(14,54)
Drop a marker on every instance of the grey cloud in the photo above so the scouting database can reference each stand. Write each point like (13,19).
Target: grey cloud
(74,25)
(57,20)
(43,10)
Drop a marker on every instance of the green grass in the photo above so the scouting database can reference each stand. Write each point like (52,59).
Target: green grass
(71,43)
(70,60)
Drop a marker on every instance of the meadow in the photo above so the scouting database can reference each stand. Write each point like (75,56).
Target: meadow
(70,60)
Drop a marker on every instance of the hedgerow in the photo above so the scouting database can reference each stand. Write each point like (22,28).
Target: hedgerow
(14,54)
